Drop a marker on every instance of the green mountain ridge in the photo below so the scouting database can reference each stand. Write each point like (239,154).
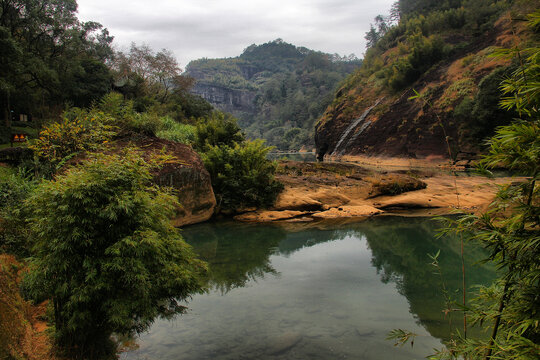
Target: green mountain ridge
(276,90)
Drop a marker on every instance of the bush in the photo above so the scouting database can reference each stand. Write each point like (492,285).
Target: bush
(241,175)
(174,131)
(14,189)
(219,129)
(106,254)
(87,131)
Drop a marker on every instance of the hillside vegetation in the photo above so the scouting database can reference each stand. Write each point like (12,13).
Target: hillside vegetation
(442,54)
(277,90)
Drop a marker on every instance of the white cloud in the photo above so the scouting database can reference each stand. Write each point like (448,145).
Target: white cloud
(216,28)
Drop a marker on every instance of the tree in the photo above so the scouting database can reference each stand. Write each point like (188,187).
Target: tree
(158,71)
(105,252)
(49,53)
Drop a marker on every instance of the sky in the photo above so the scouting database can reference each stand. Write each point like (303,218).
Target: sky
(193,29)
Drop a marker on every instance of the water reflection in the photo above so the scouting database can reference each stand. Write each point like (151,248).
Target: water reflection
(235,253)
(238,253)
(319,293)
(400,255)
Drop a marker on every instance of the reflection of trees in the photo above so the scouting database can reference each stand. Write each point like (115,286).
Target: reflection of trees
(400,249)
(236,253)
(309,237)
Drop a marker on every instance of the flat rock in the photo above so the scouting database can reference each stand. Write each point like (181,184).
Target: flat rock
(301,200)
(348,211)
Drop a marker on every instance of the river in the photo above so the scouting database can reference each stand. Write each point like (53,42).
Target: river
(328,291)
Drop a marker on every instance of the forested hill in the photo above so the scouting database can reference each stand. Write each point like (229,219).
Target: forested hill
(276,90)
(430,80)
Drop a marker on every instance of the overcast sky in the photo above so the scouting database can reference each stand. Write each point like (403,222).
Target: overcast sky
(193,29)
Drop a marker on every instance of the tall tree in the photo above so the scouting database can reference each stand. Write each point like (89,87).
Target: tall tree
(51,56)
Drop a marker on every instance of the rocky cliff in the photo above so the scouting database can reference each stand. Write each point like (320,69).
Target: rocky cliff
(226,99)
(447,110)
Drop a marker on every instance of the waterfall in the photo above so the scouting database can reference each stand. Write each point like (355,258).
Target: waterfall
(352,127)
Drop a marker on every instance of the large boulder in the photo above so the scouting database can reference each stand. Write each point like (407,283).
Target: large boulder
(186,174)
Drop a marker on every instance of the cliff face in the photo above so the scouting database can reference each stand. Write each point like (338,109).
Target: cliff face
(226,99)
(446,112)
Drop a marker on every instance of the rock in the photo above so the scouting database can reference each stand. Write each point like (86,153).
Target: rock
(293,199)
(395,184)
(269,215)
(186,174)
(284,343)
(348,211)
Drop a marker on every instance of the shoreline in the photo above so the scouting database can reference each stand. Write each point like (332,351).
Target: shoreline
(374,187)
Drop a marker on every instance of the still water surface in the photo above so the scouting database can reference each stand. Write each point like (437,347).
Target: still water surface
(325,292)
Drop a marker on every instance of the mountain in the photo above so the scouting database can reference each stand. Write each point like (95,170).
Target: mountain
(276,90)
(429,84)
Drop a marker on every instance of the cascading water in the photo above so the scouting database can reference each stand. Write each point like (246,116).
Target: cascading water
(351,127)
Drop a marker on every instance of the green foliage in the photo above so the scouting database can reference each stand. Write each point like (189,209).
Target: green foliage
(482,113)
(401,337)
(242,176)
(420,36)
(15,187)
(424,53)
(174,131)
(51,57)
(274,56)
(510,231)
(86,131)
(219,129)
(148,123)
(105,252)
(523,86)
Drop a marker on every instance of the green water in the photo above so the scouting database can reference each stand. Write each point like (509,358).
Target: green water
(325,292)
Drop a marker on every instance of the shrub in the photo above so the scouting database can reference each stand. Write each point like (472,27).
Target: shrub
(217,130)
(87,131)
(174,131)
(106,254)
(241,175)
(145,123)
(14,189)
